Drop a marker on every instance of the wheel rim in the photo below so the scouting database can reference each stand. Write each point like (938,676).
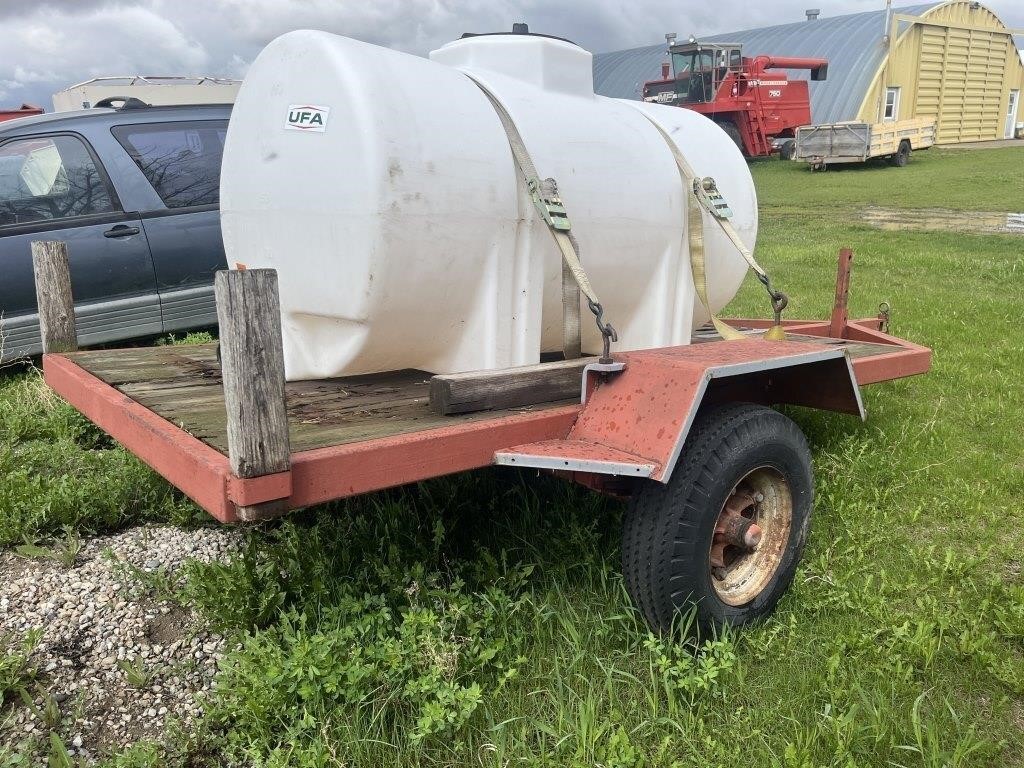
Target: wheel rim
(751,536)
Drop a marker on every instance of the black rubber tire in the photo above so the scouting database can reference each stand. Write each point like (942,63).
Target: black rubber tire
(668,529)
(902,156)
(733,132)
(788,150)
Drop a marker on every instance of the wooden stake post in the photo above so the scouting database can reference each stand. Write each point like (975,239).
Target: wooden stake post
(252,365)
(52,272)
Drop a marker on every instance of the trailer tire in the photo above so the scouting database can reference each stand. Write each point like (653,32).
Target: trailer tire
(788,150)
(670,530)
(902,156)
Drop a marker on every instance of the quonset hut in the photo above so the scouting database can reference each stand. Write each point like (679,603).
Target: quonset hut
(955,61)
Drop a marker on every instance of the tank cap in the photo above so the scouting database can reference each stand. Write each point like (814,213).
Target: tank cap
(518,28)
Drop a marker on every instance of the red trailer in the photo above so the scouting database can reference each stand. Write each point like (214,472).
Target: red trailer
(750,98)
(23,111)
(719,484)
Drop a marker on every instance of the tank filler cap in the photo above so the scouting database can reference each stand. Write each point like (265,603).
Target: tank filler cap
(518,28)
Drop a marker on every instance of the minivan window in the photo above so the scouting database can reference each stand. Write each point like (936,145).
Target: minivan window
(49,177)
(180,160)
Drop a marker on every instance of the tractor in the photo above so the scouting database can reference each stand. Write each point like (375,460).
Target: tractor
(760,108)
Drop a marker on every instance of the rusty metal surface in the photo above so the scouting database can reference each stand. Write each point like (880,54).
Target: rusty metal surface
(346,470)
(751,536)
(905,358)
(647,409)
(840,315)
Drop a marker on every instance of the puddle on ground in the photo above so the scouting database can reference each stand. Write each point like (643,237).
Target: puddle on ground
(984,222)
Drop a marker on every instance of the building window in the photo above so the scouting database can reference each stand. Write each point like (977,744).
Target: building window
(892,104)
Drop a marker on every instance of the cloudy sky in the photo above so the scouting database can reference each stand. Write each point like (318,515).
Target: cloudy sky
(48,44)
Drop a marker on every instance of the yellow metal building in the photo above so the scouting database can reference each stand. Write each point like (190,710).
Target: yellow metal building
(954,61)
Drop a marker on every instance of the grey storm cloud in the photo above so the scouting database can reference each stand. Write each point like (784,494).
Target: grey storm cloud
(49,44)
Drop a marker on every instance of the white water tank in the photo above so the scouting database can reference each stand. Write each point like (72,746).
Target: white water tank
(382,189)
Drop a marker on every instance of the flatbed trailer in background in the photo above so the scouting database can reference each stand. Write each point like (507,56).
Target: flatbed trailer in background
(651,425)
(856,142)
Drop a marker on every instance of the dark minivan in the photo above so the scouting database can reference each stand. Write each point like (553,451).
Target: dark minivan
(134,192)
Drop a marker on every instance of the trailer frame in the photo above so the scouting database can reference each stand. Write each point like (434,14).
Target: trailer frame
(151,400)
(720,486)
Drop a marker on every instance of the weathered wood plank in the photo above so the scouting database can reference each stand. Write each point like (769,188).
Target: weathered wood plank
(52,271)
(508,387)
(183,385)
(252,368)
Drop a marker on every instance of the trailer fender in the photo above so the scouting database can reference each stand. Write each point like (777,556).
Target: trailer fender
(634,423)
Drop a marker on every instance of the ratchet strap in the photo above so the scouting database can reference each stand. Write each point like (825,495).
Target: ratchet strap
(544,194)
(702,194)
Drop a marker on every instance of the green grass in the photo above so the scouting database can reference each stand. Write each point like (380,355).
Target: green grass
(59,472)
(481,620)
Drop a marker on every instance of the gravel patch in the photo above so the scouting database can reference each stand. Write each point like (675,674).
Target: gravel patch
(117,663)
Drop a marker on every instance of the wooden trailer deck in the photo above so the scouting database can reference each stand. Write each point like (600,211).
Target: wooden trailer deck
(183,385)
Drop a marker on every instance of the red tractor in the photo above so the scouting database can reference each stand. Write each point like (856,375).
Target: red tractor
(758,108)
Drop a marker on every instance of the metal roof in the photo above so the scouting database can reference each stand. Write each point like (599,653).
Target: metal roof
(852,44)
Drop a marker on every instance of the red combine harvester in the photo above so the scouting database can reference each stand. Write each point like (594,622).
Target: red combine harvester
(758,108)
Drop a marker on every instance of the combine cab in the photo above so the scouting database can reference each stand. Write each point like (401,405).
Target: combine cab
(751,98)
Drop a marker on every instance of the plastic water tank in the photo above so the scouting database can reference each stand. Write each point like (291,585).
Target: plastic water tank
(382,188)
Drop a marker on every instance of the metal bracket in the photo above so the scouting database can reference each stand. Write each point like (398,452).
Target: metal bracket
(601,368)
(713,201)
(550,208)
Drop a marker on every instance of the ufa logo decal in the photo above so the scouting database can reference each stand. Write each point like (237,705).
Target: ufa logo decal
(307,117)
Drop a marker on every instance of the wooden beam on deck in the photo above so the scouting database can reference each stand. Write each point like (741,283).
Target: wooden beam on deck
(517,387)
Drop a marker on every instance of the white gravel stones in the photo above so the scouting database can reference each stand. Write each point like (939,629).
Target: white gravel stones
(114,662)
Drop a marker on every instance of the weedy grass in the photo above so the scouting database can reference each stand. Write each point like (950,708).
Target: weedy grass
(481,619)
(16,669)
(64,551)
(62,476)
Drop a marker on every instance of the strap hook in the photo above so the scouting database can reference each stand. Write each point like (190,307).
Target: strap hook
(608,332)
